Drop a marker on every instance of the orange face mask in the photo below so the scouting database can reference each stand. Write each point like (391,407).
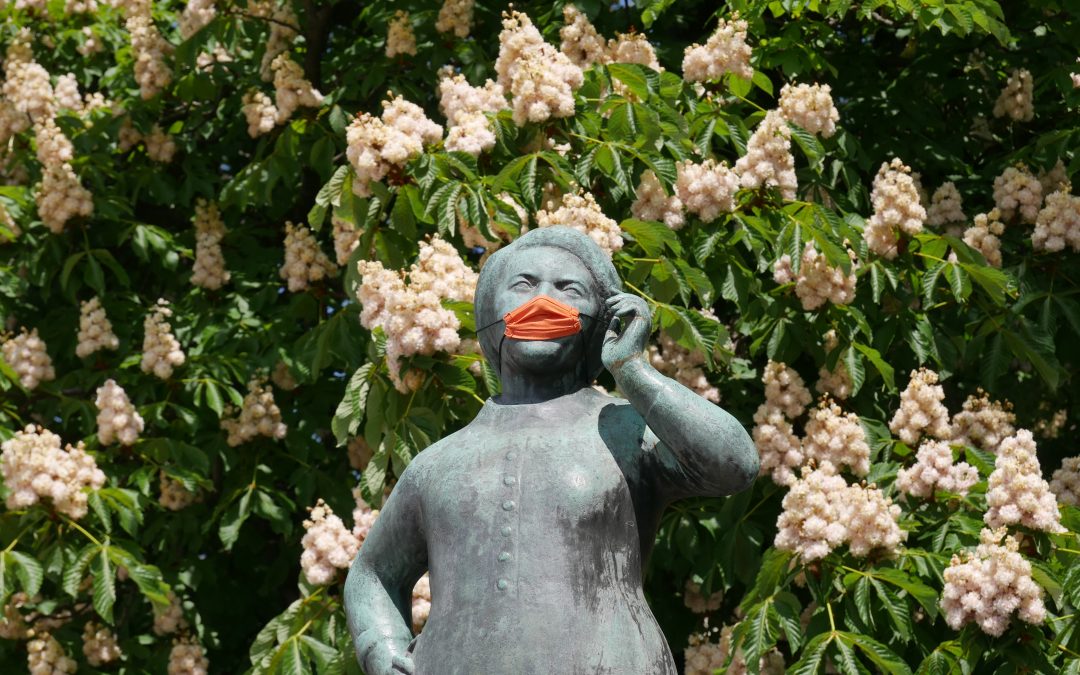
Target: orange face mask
(542,318)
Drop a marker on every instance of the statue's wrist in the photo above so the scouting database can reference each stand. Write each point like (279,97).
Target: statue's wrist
(628,370)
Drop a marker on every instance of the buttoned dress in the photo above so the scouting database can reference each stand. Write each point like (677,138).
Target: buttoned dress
(534,522)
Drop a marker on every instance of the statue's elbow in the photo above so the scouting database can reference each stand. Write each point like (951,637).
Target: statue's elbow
(745,462)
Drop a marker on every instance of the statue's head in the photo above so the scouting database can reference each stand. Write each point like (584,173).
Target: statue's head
(565,265)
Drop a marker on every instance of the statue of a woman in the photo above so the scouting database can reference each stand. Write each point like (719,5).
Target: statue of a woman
(536,519)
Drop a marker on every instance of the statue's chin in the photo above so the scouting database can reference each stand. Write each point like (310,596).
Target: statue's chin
(541,356)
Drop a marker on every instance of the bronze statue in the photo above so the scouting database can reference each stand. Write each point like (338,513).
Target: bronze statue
(536,519)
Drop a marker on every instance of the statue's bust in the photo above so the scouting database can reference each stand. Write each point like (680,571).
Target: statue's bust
(536,519)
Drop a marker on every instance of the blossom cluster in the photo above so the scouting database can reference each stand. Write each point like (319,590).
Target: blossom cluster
(150,50)
(1016,100)
(28,357)
(174,496)
(305,263)
(822,512)
(291,89)
(988,586)
(699,603)
(455,16)
(1065,483)
(811,107)
(161,350)
(582,213)
(935,469)
(117,420)
(400,38)
(768,161)
(704,657)
(835,382)
(725,51)
(946,206)
(706,189)
(35,467)
(1016,493)
(833,437)
(259,113)
(1058,223)
(187,658)
(817,281)
(421,603)
(786,398)
(896,206)
(375,145)
(100,646)
(921,409)
(651,202)
(259,416)
(1017,191)
(329,546)
(465,108)
(683,366)
(209,270)
(169,619)
(411,314)
(283,31)
(45,656)
(984,236)
(983,423)
(541,80)
(580,41)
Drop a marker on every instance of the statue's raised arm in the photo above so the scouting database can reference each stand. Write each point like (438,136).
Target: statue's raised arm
(710,452)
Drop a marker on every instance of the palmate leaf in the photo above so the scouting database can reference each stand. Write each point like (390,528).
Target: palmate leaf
(813,656)
(104,585)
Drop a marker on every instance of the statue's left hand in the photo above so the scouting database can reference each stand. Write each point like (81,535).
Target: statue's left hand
(628,332)
(403,665)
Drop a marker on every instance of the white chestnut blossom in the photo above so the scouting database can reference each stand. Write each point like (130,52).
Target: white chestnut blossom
(987,586)
(464,107)
(421,603)
(1055,178)
(725,51)
(45,656)
(169,619)
(376,145)
(811,107)
(768,161)
(455,16)
(259,112)
(209,270)
(984,236)
(651,202)
(150,51)
(697,603)
(346,239)
(1017,191)
(921,409)
(399,36)
(946,206)
(328,545)
(706,189)
(896,207)
(305,262)
(934,469)
(411,315)
(819,282)
(983,423)
(778,447)
(117,419)
(161,350)
(683,366)
(632,48)
(174,496)
(197,15)
(540,79)
(1065,483)
(785,390)
(28,357)
(580,41)
(409,119)
(363,515)
(61,196)
(283,30)
(1058,223)
(1016,100)
(1016,493)
(259,416)
(35,468)
(187,658)
(291,88)
(1051,428)
(836,438)
(160,146)
(812,522)
(581,212)
(836,382)
(66,92)
(100,646)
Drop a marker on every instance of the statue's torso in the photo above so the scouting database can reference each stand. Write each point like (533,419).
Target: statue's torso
(534,521)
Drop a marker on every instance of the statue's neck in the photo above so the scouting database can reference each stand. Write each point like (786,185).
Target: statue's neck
(520,388)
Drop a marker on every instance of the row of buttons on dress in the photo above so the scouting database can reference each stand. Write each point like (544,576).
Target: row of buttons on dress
(507,530)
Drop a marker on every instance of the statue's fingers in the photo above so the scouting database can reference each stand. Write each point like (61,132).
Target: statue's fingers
(612,333)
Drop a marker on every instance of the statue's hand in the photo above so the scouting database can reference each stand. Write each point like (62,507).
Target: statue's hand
(628,332)
(403,665)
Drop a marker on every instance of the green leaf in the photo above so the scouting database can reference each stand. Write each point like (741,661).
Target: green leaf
(235,515)
(291,659)
(652,236)
(882,656)
(28,570)
(630,75)
(104,585)
(926,596)
(75,571)
(813,656)
(879,363)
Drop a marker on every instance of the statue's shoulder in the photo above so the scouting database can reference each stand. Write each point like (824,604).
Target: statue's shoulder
(431,458)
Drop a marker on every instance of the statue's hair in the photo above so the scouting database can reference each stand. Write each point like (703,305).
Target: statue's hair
(606,283)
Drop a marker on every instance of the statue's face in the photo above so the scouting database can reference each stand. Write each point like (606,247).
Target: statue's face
(545,270)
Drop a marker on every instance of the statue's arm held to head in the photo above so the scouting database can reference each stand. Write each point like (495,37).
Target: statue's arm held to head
(378,590)
(703,449)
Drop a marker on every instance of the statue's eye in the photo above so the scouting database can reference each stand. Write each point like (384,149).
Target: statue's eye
(523,282)
(570,288)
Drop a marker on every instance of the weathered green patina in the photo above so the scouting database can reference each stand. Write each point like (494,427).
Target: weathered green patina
(536,519)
